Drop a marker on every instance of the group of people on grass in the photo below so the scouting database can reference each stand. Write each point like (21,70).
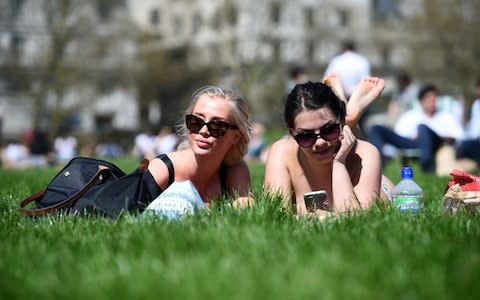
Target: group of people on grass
(34,150)
(427,129)
(321,152)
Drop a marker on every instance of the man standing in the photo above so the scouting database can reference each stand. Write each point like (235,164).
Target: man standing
(424,130)
(349,66)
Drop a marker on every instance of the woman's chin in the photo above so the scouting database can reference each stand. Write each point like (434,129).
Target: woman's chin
(201,151)
(206,151)
(323,155)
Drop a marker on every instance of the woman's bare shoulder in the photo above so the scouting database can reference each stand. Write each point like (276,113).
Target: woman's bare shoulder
(281,148)
(282,152)
(159,170)
(283,144)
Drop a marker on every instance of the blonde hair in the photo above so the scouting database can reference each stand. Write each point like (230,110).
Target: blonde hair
(239,114)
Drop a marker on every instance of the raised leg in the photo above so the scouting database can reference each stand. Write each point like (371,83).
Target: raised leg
(334,83)
(364,94)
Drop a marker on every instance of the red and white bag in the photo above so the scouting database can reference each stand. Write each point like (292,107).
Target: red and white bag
(462,193)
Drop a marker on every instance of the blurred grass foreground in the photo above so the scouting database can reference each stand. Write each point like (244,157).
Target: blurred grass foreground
(257,253)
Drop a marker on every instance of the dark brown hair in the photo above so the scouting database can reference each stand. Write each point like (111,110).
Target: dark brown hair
(312,96)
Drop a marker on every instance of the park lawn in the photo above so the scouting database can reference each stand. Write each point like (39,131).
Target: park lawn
(257,253)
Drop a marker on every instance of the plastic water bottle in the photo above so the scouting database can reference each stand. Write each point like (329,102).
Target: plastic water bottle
(407,195)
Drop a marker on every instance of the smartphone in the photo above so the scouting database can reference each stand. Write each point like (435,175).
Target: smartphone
(316,200)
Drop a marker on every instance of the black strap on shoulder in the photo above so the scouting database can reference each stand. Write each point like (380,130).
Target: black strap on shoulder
(169,164)
(223,178)
(171,172)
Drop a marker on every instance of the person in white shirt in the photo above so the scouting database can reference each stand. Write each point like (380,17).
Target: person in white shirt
(424,130)
(144,145)
(470,147)
(166,141)
(350,67)
(65,148)
(14,155)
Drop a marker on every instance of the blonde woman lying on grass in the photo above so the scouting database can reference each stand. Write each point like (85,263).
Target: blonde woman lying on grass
(217,131)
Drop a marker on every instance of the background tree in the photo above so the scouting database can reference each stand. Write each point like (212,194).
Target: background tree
(77,52)
(446,43)
(52,73)
(163,77)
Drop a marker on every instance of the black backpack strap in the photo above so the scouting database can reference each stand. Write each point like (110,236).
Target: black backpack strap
(169,164)
(223,177)
(101,174)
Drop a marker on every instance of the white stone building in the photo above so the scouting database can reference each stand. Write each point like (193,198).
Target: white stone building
(309,32)
(228,33)
(24,39)
(243,31)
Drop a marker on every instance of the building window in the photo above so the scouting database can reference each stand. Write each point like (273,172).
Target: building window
(104,10)
(385,8)
(154,17)
(309,17)
(178,25)
(276,50)
(17,43)
(310,52)
(343,17)
(231,14)
(15,7)
(275,12)
(234,47)
(196,23)
(217,21)
(215,53)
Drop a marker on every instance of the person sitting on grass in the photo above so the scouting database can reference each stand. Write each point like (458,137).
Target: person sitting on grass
(425,130)
(323,153)
(470,146)
(217,131)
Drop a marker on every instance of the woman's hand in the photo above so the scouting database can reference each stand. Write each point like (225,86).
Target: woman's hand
(318,214)
(244,202)
(347,140)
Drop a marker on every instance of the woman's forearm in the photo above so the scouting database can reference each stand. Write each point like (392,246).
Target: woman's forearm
(344,198)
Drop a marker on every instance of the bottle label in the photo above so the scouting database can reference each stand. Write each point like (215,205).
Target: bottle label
(408,203)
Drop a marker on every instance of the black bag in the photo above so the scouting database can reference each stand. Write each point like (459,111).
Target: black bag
(87,185)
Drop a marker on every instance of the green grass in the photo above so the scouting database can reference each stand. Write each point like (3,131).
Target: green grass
(259,253)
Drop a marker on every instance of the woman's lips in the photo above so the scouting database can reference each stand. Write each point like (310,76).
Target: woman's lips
(323,152)
(203,144)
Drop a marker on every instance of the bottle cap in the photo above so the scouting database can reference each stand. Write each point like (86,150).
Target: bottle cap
(407,173)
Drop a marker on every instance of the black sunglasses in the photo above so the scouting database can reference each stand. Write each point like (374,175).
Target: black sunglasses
(216,128)
(329,132)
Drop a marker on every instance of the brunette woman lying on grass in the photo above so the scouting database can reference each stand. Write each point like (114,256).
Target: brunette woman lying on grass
(322,153)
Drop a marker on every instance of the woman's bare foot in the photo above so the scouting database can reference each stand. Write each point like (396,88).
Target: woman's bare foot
(333,81)
(364,94)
